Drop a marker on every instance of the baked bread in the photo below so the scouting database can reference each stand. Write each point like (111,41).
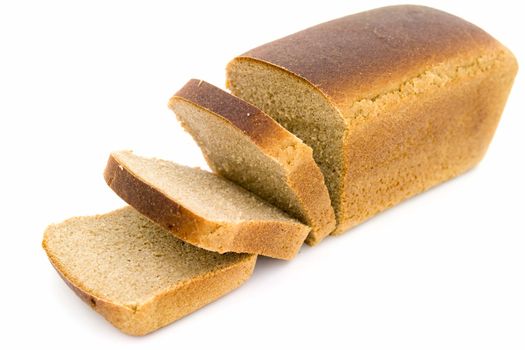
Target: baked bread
(244,145)
(135,273)
(392,101)
(202,208)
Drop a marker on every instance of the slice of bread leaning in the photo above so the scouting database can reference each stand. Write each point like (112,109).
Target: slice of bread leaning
(135,273)
(202,208)
(245,145)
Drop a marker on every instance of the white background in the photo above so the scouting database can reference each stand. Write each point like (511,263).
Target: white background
(78,79)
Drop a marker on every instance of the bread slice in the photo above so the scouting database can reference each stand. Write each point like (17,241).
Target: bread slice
(202,208)
(243,144)
(392,101)
(135,273)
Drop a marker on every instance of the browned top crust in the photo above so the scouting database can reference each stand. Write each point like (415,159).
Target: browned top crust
(249,119)
(350,56)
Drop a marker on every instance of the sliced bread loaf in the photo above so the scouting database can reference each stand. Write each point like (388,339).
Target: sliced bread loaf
(392,101)
(135,273)
(202,208)
(245,145)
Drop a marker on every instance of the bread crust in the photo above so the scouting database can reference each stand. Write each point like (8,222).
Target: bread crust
(254,123)
(361,55)
(303,175)
(304,178)
(166,307)
(270,238)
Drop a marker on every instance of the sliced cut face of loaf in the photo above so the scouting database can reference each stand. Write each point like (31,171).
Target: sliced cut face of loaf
(135,273)
(245,145)
(202,208)
(392,101)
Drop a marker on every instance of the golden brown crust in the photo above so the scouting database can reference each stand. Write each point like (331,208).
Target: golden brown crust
(350,57)
(277,239)
(303,178)
(303,175)
(420,140)
(167,307)
(259,127)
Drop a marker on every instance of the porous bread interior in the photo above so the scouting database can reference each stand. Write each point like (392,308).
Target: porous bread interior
(124,258)
(298,107)
(205,194)
(235,156)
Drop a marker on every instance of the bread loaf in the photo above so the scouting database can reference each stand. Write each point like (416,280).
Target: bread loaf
(388,103)
(202,208)
(135,273)
(392,101)
(246,146)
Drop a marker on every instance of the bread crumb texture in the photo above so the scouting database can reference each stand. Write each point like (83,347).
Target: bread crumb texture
(135,273)
(203,208)
(256,153)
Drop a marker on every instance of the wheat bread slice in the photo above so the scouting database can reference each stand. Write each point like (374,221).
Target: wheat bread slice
(135,273)
(203,208)
(393,101)
(246,146)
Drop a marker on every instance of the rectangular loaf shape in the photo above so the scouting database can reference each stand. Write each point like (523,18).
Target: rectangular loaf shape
(392,101)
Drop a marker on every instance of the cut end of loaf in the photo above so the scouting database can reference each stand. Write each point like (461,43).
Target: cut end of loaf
(300,108)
